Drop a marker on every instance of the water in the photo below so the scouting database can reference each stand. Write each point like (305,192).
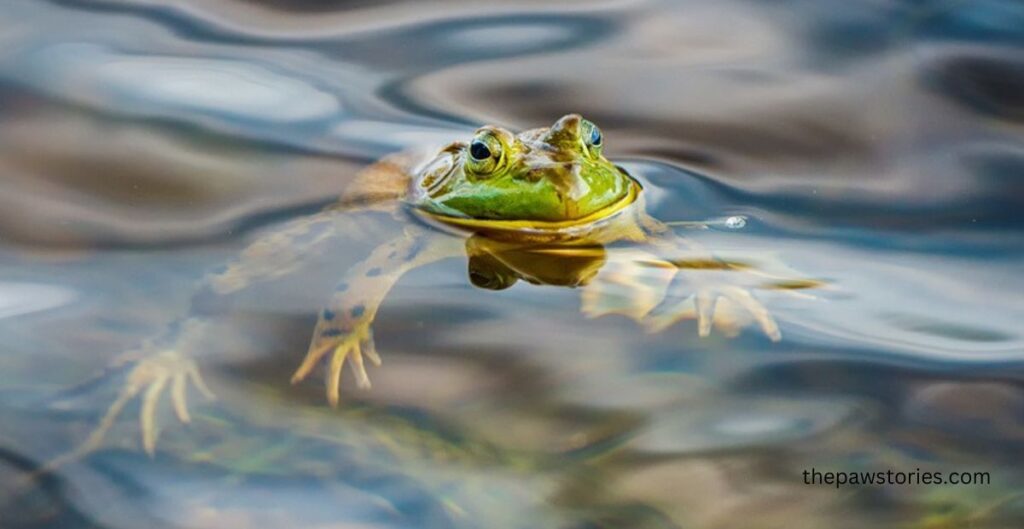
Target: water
(874,146)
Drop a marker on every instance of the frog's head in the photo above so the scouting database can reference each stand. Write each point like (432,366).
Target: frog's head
(549,174)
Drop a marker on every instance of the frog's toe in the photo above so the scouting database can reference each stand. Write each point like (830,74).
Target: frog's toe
(370,350)
(727,309)
(705,301)
(151,374)
(179,385)
(756,309)
(729,319)
(351,346)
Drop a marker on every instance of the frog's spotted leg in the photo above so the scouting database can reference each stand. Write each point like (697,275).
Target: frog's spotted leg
(343,330)
(167,360)
(673,280)
(280,252)
(165,364)
(283,250)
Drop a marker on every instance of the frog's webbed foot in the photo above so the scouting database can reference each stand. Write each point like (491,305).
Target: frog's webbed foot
(153,374)
(343,328)
(659,293)
(150,376)
(342,345)
(724,307)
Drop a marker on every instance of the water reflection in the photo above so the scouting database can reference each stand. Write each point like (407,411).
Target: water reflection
(495,265)
(24,298)
(872,146)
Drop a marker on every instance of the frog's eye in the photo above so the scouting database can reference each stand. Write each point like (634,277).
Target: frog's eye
(592,137)
(485,154)
(479,150)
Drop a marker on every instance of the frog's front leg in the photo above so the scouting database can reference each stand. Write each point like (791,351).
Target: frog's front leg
(343,329)
(673,280)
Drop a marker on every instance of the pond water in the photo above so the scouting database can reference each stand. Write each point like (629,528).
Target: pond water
(874,147)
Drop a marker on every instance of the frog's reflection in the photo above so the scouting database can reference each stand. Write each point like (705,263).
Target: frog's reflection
(497,265)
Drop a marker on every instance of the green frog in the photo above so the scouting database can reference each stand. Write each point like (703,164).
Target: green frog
(541,206)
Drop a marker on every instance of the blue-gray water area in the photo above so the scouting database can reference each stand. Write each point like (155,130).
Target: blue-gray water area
(875,150)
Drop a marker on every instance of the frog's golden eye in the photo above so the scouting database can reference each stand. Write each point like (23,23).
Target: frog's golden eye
(592,137)
(485,154)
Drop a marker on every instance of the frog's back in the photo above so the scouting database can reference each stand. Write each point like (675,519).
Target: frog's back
(384,184)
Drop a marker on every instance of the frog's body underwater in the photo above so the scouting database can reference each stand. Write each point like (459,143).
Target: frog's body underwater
(538,206)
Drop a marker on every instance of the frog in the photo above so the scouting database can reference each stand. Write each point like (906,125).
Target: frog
(544,206)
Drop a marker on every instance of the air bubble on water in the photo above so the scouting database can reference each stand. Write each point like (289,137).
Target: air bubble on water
(735,222)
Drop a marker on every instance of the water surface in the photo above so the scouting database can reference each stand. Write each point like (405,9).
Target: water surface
(876,146)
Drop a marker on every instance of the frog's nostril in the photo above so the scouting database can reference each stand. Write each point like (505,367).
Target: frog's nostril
(570,123)
(566,129)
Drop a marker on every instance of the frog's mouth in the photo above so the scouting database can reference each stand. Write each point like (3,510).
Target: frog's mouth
(602,214)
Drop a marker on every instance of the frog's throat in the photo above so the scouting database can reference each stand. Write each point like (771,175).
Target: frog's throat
(471,224)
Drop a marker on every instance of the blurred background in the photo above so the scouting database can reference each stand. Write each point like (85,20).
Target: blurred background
(874,145)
